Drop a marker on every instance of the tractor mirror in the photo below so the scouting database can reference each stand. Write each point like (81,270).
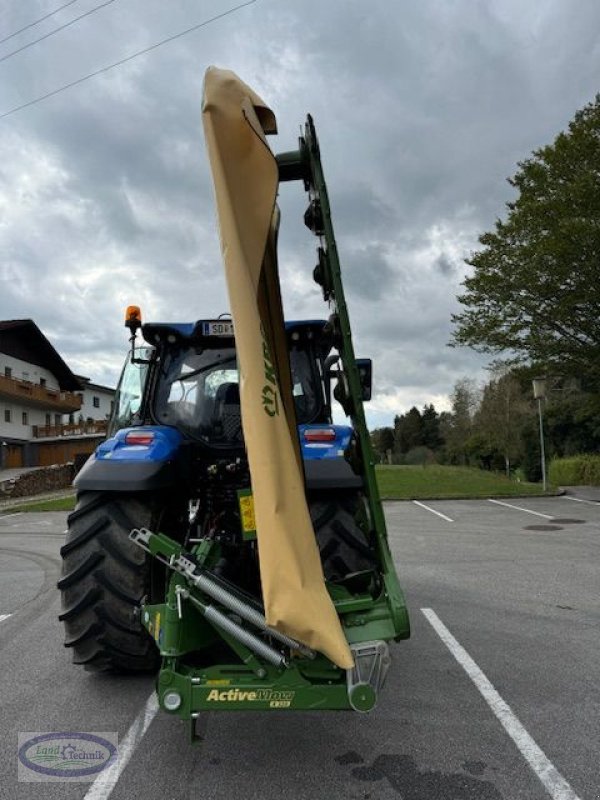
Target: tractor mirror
(365,373)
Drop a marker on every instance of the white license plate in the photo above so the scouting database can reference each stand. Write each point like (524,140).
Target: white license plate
(218,328)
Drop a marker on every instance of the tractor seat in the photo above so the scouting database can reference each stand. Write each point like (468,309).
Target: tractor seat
(228,415)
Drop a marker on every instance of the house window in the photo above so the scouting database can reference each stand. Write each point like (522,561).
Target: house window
(96,402)
(42,381)
(8,372)
(7,415)
(24,418)
(57,419)
(48,420)
(26,376)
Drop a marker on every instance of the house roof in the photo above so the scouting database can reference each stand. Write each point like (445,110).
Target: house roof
(86,383)
(22,339)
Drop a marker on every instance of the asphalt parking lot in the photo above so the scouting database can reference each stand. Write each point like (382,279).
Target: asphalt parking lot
(509,589)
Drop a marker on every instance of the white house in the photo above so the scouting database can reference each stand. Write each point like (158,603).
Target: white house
(37,392)
(97,401)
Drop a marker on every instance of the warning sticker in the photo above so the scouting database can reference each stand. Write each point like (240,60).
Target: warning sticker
(246,501)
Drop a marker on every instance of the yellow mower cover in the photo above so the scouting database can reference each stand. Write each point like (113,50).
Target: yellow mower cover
(245,175)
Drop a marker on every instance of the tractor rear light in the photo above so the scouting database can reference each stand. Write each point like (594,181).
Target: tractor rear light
(140,438)
(319,435)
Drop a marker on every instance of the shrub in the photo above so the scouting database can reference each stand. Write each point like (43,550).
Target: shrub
(582,470)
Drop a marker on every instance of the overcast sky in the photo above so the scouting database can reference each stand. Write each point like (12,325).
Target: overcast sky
(423,109)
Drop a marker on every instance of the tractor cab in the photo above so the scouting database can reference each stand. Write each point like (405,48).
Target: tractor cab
(186,377)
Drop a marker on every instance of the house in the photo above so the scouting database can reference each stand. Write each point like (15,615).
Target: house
(38,391)
(97,401)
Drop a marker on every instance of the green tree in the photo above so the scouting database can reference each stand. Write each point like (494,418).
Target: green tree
(408,431)
(430,428)
(458,426)
(503,413)
(382,440)
(534,292)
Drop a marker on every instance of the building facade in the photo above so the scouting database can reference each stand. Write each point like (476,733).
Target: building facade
(38,394)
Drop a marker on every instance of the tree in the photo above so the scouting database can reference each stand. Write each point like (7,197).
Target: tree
(502,415)
(534,292)
(382,440)
(408,431)
(458,427)
(430,428)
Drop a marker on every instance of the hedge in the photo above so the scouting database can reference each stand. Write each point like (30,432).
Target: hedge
(583,470)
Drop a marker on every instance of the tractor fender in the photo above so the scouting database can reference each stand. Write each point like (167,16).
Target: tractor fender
(134,459)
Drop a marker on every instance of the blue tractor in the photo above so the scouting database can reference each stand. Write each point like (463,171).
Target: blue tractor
(174,461)
(165,563)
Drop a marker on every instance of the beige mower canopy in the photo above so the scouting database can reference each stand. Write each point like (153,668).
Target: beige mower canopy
(245,176)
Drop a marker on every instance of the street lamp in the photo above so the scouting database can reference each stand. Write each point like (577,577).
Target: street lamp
(539,393)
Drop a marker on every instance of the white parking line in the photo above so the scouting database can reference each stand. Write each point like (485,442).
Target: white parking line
(433,511)
(520,508)
(106,781)
(554,783)
(581,500)
(6,516)
(4,616)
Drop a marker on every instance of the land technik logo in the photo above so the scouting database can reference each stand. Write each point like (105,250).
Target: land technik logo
(69,756)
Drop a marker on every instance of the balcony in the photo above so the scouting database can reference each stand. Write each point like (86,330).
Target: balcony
(91,428)
(32,394)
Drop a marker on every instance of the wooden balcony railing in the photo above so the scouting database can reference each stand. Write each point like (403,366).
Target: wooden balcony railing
(75,429)
(32,394)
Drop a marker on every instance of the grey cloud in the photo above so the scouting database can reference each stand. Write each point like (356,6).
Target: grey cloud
(423,109)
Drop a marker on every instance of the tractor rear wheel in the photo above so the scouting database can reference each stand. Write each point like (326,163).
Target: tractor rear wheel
(343,546)
(104,578)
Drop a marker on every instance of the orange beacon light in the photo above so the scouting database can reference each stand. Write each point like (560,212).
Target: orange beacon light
(133,318)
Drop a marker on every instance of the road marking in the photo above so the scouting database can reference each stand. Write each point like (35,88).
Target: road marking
(519,508)
(106,781)
(4,616)
(581,500)
(433,511)
(554,783)
(6,516)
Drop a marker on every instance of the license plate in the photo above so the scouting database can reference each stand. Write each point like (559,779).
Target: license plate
(218,328)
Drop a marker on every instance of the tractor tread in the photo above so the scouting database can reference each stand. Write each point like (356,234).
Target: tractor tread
(80,571)
(85,535)
(105,576)
(88,599)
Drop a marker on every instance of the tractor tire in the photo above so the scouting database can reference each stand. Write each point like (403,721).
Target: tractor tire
(104,578)
(342,543)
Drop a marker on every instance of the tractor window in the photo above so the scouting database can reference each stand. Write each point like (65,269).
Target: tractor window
(128,398)
(306,386)
(198,393)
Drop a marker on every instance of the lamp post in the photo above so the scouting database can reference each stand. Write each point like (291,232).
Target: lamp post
(539,393)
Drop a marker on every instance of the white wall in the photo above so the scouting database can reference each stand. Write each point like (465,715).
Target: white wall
(22,370)
(89,410)
(15,428)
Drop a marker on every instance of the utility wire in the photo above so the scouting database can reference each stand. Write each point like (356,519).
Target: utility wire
(36,21)
(126,59)
(56,30)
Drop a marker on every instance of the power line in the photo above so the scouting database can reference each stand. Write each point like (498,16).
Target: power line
(126,59)
(56,30)
(36,21)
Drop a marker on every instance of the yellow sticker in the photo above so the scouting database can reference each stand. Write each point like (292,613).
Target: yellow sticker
(218,682)
(157,626)
(247,512)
